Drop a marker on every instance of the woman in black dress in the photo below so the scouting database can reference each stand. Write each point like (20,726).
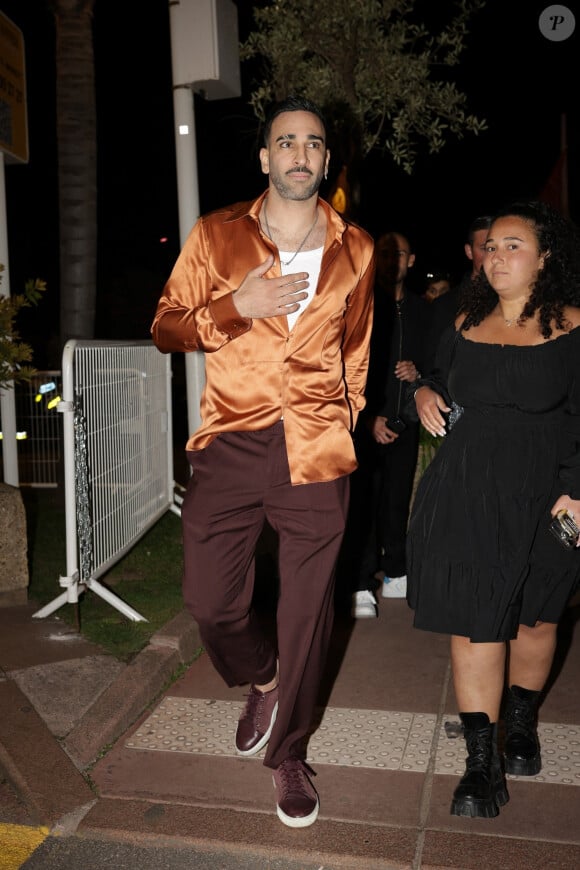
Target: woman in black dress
(482,564)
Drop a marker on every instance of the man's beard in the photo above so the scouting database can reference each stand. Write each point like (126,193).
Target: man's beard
(288,192)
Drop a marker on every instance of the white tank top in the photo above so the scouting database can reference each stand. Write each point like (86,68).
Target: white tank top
(305,261)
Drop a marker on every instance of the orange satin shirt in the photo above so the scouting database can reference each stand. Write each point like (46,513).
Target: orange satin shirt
(257,371)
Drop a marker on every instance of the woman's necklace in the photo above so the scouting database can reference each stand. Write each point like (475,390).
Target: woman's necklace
(509,321)
(302,243)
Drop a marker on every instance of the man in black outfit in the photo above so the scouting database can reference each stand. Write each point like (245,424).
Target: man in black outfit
(444,309)
(387,442)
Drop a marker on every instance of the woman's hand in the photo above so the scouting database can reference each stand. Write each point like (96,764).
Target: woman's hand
(565,503)
(430,408)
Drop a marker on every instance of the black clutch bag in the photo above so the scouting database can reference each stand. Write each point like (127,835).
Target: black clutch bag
(565,529)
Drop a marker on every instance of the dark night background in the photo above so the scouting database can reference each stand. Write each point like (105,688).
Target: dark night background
(516,79)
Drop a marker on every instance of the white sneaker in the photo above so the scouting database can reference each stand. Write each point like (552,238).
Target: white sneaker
(364,605)
(394,587)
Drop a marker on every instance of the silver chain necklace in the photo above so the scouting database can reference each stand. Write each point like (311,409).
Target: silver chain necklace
(302,243)
(509,321)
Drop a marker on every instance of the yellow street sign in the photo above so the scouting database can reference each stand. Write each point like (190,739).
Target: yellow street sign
(13,120)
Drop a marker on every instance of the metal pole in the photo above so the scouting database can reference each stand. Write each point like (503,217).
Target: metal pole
(564,192)
(188,203)
(7,404)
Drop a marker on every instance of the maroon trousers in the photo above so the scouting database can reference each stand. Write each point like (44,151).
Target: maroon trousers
(238,481)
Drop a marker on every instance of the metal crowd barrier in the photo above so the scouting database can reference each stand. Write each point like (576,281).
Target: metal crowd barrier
(38,430)
(118,458)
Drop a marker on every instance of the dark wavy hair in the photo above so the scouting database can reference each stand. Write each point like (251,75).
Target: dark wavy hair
(558,283)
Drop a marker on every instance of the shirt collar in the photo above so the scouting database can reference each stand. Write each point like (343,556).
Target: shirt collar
(252,210)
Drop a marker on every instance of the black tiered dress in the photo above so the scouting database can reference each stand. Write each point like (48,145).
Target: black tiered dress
(479,557)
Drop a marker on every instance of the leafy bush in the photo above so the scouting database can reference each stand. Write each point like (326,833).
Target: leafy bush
(14,353)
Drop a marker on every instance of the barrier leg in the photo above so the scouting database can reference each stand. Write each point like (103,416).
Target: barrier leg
(115,601)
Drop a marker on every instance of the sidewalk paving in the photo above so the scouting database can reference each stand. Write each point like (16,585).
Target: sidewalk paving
(100,750)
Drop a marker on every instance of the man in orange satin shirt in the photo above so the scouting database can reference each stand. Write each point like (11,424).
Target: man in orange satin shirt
(278,294)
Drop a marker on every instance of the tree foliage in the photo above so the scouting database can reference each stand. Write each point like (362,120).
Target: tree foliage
(14,354)
(369,63)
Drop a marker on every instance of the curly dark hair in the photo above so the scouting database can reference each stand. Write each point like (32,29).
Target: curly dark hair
(558,283)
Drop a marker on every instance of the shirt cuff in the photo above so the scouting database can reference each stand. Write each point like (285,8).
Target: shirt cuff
(227,318)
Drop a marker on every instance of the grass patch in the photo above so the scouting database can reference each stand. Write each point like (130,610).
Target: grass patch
(148,578)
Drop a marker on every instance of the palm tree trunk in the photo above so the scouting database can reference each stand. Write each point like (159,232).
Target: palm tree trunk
(77,167)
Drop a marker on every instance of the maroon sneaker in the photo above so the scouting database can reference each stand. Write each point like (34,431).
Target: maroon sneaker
(257,720)
(298,802)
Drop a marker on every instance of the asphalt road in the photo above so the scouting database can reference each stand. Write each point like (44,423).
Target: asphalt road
(72,853)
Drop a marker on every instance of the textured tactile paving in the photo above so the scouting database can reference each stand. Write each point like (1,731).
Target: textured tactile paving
(378,739)
(560,754)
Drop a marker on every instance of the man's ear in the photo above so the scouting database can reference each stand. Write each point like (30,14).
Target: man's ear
(264,160)
(411,261)
(468,251)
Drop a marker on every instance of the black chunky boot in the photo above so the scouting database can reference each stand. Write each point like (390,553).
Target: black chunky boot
(482,789)
(521,746)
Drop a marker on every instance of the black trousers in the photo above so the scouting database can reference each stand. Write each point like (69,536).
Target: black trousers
(382,488)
